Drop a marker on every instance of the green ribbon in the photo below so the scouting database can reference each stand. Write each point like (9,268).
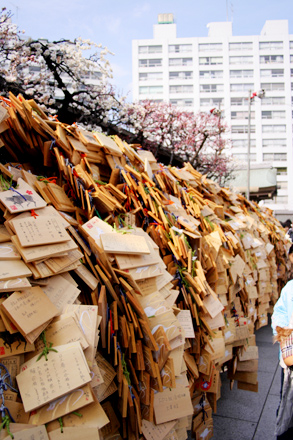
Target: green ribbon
(61,424)
(5,183)
(47,348)
(5,424)
(125,370)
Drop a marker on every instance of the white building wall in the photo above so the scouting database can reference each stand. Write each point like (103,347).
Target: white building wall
(223,86)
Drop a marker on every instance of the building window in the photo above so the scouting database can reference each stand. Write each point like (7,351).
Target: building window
(291,58)
(282,199)
(271,45)
(241,87)
(241,60)
(274,128)
(241,73)
(291,45)
(180,75)
(243,157)
(151,90)
(181,89)
(180,61)
(273,114)
(240,46)
(34,68)
(210,47)
(141,101)
(95,75)
(241,115)
(242,129)
(213,102)
(268,157)
(273,100)
(281,171)
(266,59)
(150,63)
(210,61)
(182,102)
(151,76)
(208,74)
(150,49)
(272,86)
(272,73)
(211,88)
(242,143)
(282,185)
(274,143)
(180,48)
(240,101)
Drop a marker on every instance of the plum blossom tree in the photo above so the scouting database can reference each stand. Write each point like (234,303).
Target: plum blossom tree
(183,136)
(58,75)
(10,48)
(64,82)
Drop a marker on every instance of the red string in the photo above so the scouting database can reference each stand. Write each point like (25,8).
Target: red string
(111,323)
(49,179)
(71,193)
(7,101)
(127,204)
(34,214)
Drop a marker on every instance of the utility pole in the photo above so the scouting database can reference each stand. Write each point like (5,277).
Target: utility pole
(248,145)
(251,97)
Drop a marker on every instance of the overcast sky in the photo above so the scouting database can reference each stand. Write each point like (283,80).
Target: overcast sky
(116,23)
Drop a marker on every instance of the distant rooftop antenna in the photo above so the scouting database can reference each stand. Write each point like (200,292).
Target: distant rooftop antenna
(232,11)
(17,8)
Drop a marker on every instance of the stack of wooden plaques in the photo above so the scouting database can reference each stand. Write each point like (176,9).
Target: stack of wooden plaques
(151,281)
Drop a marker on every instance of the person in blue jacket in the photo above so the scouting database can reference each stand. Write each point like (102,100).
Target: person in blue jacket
(283,317)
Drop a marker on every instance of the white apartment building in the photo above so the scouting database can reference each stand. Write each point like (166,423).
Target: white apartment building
(218,71)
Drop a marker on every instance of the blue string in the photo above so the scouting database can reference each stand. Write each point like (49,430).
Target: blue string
(119,348)
(12,189)
(131,393)
(204,413)
(4,409)
(83,239)
(90,199)
(3,387)
(122,293)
